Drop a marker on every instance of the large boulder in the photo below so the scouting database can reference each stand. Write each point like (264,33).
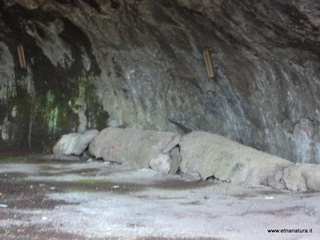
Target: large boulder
(136,148)
(209,155)
(74,143)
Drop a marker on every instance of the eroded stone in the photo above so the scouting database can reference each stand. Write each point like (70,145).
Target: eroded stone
(134,147)
(74,143)
(208,155)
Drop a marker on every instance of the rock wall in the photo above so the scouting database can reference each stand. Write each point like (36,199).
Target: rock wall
(92,64)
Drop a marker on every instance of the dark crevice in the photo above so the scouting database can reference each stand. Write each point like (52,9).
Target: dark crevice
(69,34)
(67,1)
(115,4)
(184,128)
(93,4)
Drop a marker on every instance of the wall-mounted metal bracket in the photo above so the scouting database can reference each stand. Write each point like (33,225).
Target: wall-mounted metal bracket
(22,59)
(207,60)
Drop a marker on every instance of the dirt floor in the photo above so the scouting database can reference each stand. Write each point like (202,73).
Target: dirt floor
(50,199)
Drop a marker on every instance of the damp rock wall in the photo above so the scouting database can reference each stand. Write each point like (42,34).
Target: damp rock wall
(139,64)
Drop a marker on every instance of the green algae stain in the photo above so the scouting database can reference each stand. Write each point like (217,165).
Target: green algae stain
(91,181)
(12,159)
(44,113)
(51,112)
(87,105)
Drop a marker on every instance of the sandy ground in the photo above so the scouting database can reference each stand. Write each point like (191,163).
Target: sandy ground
(97,200)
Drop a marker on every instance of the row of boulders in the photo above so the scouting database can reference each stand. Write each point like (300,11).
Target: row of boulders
(199,154)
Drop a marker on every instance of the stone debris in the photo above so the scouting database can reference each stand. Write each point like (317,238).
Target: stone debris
(198,154)
(162,163)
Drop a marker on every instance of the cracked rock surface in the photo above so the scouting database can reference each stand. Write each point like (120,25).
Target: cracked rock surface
(201,155)
(92,64)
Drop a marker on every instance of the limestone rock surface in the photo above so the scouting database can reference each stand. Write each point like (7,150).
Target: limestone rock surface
(74,143)
(302,177)
(139,64)
(136,148)
(209,155)
(162,164)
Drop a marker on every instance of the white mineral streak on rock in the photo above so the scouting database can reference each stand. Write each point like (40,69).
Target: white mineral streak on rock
(7,75)
(57,50)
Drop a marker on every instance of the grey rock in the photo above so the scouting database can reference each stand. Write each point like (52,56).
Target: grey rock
(30,4)
(302,177)
(90,67)
(276,181)
(172,144)
(7,74)
(134,147)
(9,132)
(278,176)
(211,155)
(162,163)
(53,46)
(74,143)
(176,159)
(168,163)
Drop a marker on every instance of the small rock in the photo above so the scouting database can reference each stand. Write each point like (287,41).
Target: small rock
(3,205)
(176,159)
(162,163)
